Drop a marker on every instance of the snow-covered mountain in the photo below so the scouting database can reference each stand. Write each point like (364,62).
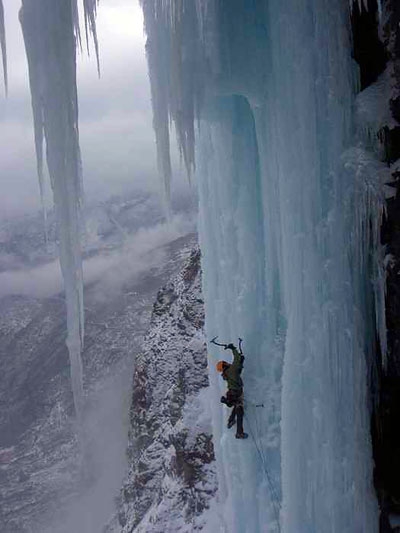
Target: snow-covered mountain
(172,477)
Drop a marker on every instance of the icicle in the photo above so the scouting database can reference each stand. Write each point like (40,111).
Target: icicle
(3,45)
(77,28)
(176,88)
(38,132)
(90,9)
(379,2)
(360,4)
(159,83)
(52,75)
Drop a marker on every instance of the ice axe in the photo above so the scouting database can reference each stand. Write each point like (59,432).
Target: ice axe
(225,346)
(214,341)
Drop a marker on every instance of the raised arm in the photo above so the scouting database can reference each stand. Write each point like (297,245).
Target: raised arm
(238,358)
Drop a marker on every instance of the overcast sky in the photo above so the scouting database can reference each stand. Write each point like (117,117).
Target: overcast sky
(117,140)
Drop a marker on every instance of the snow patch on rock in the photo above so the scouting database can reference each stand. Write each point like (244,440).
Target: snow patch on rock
(171,480)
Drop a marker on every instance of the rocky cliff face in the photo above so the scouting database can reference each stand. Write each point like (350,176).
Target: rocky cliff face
(377,50)
(171,478)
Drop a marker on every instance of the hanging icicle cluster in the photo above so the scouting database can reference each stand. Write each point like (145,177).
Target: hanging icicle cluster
(3,45)
(288,229)
(194,53)
(52,75)
(174,59)
(90,12)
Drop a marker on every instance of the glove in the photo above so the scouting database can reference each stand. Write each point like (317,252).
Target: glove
(227,401)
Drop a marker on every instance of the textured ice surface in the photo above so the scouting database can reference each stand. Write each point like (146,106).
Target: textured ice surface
(289,214)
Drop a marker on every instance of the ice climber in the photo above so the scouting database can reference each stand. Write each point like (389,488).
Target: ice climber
(234,395)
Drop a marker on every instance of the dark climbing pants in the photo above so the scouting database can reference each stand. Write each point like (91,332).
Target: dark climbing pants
(237,414)
(235,398)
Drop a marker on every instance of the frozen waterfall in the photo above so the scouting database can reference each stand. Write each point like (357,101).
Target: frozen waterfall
(288,218)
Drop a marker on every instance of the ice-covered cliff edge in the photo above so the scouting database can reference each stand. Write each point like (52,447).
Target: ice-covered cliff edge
(171,479)
(384,55)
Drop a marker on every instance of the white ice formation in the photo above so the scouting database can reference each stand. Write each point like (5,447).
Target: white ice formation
(90,11)
(3,45)
(290,206)
(51,29)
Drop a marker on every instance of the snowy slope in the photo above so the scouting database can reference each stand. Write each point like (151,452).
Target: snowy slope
(171,477)
(43,487)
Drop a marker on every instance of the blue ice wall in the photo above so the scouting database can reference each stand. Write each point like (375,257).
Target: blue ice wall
(289,237)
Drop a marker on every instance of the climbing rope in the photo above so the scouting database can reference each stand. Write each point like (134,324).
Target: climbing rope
(274,498)
(263,453)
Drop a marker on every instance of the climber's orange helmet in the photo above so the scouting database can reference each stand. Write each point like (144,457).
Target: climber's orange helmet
(221,365)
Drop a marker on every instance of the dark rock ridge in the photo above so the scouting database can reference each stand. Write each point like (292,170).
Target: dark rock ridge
(171,478)
(376,48)
(368,49)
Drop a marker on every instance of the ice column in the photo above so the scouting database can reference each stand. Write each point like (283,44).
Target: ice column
(90,11)
(3,45)
(48,29)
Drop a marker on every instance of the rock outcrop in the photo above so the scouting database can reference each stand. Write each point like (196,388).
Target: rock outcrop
(171,479)
(377,50)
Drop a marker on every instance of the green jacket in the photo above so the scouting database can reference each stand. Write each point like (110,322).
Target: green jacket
(232,373)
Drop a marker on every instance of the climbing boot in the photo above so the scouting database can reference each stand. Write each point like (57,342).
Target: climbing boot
(241,435)
(231,423)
